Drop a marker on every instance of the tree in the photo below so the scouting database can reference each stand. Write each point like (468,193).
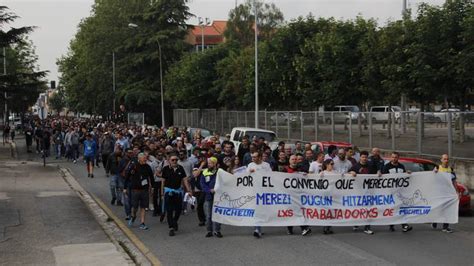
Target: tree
(23,81)
(240,25)
(56,101)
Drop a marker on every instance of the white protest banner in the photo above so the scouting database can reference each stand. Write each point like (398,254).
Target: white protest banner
(282,199)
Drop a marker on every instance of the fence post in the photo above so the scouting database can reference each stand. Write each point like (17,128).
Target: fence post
(418,135)
(276,123)
(333,126)
(316,126)
(246,122)
(350,127)
(393,130)
(265,114)
(301,126)
(450,135)
(370,131)
(288,124)
(238,120)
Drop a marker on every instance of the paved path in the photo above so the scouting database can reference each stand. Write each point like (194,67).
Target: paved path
(422,246)
(44,222)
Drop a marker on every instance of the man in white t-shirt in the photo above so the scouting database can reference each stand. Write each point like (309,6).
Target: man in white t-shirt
(341,164)
(258,165)
(317,166)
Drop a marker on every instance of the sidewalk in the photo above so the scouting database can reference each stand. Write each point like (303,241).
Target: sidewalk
(43,221)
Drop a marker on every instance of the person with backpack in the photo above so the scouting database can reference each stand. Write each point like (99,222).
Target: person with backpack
(90,150)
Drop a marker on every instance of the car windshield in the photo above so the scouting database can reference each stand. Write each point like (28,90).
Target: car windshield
(418,167)
(266,135)
(352,108)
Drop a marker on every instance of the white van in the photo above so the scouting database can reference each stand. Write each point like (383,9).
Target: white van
(380,113)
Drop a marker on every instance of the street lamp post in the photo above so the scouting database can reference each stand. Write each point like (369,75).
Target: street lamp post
(5,118)
(203,23)
(113,81)
(256,63)
(132,25)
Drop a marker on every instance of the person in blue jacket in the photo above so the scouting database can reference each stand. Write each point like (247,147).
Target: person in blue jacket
(208,181)
(90,151)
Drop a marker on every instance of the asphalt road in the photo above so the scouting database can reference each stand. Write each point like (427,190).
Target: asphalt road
(422,246)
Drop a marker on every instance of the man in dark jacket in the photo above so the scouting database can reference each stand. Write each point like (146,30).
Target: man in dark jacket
(116,184)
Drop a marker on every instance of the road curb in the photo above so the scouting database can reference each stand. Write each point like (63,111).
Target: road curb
(126,242)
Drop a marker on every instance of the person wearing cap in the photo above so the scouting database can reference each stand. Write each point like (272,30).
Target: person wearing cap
(140,183)
(208,181)
(90,150)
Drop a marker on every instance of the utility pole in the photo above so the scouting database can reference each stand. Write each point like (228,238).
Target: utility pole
(256,63)
(5,73)
(113,81)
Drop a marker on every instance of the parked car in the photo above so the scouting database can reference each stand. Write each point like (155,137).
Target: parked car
(442,116)
(418,165)
(281,118)
(343,113)
(380,113)
(322,146)
(238,133)
(204,132)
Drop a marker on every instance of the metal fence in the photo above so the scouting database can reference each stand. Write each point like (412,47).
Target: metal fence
(427,133)
(136,118)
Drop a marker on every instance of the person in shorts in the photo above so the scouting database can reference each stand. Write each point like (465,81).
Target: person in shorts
(90,150)
(140,184)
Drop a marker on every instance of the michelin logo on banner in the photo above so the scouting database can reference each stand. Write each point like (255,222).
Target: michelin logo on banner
(282,199)
(232,207)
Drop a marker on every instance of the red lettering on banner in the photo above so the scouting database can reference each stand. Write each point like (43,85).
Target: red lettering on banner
(337,214)
(285,213)
(388,212)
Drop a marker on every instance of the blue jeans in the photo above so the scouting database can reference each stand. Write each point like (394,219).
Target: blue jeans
(116,187)
(211,226)
(57,149)
(127,201)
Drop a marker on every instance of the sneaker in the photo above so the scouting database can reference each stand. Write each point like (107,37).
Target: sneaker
(368,231)
(434,225)
(447,230)
(209,234)
(171,232)
(119,203)
(176,227)
(355,228)
(392,228)
(127,218)
(202,224)
(112,201)
(88,175)
(143,227)
(306,232)
(74,161)
(162,218)
(257,234)
(407,228)
(92,175)
(289,231)
(218,234)
(130,222)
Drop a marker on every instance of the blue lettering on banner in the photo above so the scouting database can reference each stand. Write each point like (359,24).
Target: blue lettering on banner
(367,200)
(316,200)
(414,210)
(234,211)
(273,199)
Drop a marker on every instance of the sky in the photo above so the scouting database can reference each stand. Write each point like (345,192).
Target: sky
(56,21)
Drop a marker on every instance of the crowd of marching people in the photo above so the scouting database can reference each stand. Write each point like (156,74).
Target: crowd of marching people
(160,171)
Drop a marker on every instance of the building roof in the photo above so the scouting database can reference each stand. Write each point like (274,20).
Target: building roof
(213,34)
